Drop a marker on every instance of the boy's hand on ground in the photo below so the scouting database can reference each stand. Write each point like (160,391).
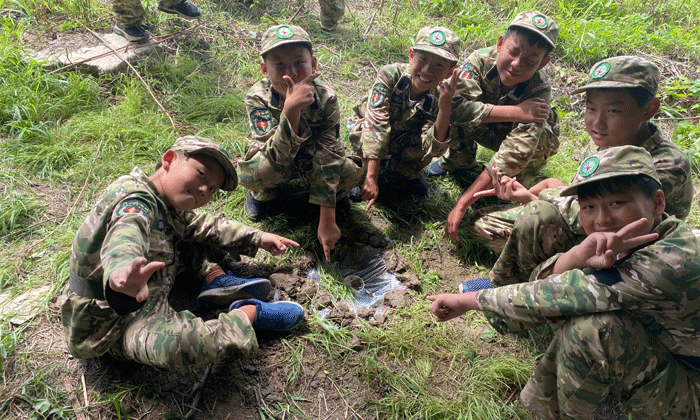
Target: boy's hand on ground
(299,95)
(275,244)
(133,279)
(535,110)
(370,191)
(601,250)
(446,90)
(328,234)
(452,224)
(448,306)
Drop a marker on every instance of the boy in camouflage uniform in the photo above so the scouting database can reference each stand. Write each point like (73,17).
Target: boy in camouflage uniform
(406,118)
(295,133)
(124,259)
(625,302)
(620,101)
(509,112)
(130,15)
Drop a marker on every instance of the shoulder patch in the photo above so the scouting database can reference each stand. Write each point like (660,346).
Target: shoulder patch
(379,91)
(132,205)
(468,71)
(261,119)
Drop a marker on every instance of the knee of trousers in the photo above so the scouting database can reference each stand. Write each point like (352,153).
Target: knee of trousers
(595,338)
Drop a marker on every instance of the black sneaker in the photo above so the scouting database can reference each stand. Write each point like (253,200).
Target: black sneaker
(134,33)
(254,209)
(435,170)
(185,9)
(343,205)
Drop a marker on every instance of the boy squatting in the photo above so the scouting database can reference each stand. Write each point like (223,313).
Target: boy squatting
(625,302)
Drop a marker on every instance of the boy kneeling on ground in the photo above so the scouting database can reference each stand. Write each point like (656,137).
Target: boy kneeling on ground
(626,301)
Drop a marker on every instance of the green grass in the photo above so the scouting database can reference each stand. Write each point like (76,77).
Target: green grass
(76,133)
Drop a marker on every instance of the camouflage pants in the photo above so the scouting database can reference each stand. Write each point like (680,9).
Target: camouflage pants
(461,154)
(130,12)
(201,259)
(262,176)
(331,12)
(611,353)
(494,224)
(539,232)
(162,337)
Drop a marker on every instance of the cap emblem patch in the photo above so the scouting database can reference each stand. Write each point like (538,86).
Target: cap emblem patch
(540,21)
(601,70)
(588,167)
(438,38)
(284,32)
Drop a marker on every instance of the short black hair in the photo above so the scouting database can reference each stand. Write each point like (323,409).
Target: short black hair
(533,38)
(303,44)
(619,184)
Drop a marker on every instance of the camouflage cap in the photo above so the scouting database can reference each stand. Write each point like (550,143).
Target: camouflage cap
(623,72)
(193,145)
(538,23)
(439,41)
(612,162)
(279,35)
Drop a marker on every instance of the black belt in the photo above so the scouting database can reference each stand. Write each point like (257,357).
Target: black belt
(91,289)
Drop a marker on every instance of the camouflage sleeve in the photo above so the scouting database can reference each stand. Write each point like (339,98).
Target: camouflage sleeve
(377,125)
(673,169)
(274,139)
(431,145)
(467,110)
(329,157)
(236,238)
(522,142)
(653,279)
(567,205)
(129,233)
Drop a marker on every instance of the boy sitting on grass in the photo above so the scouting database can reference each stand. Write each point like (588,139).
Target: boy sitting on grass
(625,301)
(509,111)
(405,121)
(124,260)
(620,101)
(295,133)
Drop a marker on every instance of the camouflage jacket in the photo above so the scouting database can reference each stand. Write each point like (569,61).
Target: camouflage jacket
(318,148)
(658,284)
(131,220)
(515,143)
(672,168)
(389,117)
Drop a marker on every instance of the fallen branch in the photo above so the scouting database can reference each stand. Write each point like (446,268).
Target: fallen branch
(371,20)
(197,390)
(162,108)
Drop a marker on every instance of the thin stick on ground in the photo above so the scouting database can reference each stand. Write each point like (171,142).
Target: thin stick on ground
(148,88)
(371,20)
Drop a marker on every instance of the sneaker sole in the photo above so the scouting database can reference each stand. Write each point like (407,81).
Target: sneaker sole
(258,289)
(129,37)
(175,12)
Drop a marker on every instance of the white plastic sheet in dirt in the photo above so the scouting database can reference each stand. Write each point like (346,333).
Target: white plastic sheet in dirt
(364,271)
